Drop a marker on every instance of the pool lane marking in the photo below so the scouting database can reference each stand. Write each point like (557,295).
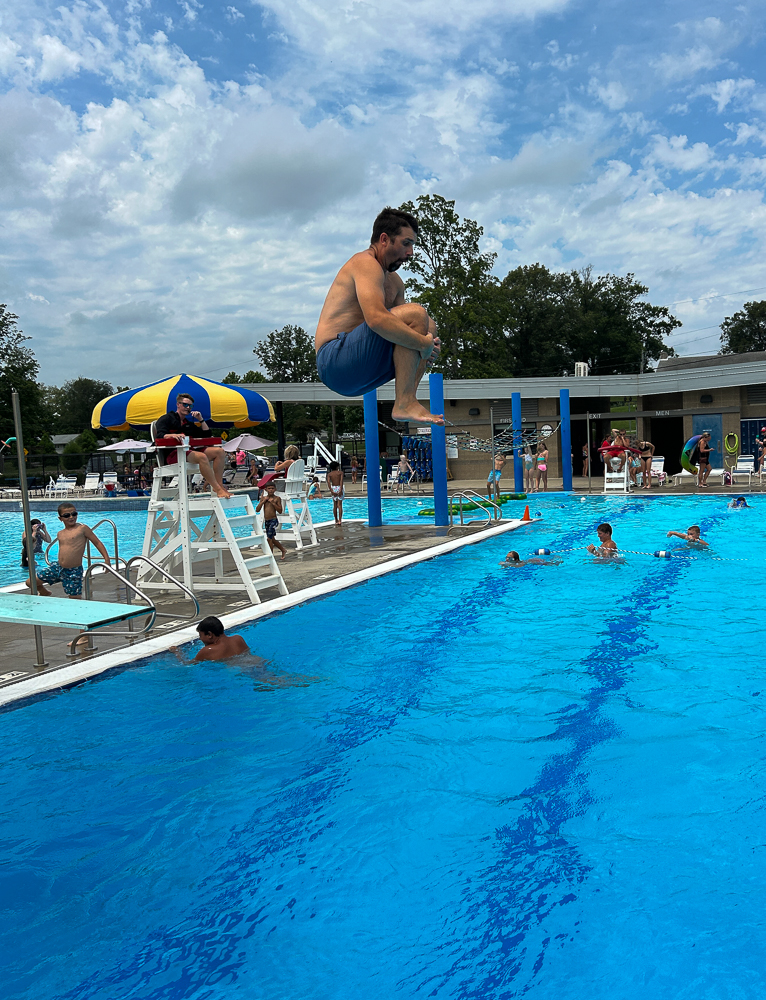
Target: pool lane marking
(554,798)
(64,676)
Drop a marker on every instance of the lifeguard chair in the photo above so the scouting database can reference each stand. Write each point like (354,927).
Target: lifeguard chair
(296,520)
(184,530)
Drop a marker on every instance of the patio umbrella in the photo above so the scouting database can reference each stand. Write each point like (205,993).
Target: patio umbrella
(128,445)
(225,405)
(247,442)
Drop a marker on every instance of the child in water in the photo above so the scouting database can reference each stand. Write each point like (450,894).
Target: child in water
(606,548)
(691,535)
(514,559)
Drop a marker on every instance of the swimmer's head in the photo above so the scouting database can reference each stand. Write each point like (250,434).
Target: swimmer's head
(513,556)
(210,629)
(694,530)
(604,531)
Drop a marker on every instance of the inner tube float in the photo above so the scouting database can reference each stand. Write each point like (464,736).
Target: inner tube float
(687,452)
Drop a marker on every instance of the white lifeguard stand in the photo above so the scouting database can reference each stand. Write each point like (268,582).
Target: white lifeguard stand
(296,520)
(616,482)
(185,529)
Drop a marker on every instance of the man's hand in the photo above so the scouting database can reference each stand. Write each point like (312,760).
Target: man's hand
(176,437)
(196,415)
(428,348)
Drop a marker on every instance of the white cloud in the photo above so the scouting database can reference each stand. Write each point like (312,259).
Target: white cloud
(612,94)
(675,153)
(747,133)
(725,91)
(233,15)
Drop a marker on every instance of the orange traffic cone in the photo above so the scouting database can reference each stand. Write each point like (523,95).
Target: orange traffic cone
(526,514)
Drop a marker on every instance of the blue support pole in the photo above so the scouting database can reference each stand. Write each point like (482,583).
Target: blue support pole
(439,451)
(372,459)
(518,462)
(566,439)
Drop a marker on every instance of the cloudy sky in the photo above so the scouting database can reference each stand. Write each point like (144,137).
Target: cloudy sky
(180,177)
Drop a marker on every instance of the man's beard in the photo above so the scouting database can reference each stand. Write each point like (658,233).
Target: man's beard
(395,265)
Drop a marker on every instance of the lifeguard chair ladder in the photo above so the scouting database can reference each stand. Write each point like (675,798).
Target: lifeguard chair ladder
(616,482)
(296,520)
(184,530)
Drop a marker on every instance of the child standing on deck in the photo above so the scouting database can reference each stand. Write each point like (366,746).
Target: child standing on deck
(272,508)
(606,546)
(335,482)
(67,570)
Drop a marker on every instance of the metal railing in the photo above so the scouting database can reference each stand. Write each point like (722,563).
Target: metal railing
(168,576)
(91,560)
(151,611)
(471,496)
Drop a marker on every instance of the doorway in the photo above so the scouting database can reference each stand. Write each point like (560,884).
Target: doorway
(712,422)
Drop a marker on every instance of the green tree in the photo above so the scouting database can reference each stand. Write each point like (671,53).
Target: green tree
(44,446)
(533,308)
(249,378)
(18,370)
(746,330)
(288,355)
(453,279)
(76,402)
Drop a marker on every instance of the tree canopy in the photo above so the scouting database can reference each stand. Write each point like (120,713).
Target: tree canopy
(248,378)
(746,330)
(288,355)
(19,369)
(532,322)
(71,405)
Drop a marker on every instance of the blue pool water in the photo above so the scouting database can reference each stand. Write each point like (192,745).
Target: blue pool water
(460,781)
(131,523)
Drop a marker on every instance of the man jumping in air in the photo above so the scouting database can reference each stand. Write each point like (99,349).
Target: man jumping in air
(367,334)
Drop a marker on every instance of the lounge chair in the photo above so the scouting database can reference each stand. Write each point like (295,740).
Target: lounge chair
(92,483)
(745,467)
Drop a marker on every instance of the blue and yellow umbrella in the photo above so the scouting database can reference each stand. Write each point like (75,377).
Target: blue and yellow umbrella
(224,405)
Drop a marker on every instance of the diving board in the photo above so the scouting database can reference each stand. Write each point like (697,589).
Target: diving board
(63,612)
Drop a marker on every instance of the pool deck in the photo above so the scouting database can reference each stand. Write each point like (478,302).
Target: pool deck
(346,555)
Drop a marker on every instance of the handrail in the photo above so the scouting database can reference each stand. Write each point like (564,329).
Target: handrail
(168,576)
(461,495)
(151,610)
(498,509)
(104,520)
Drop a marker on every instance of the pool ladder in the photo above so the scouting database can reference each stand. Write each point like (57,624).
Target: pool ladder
(493,510)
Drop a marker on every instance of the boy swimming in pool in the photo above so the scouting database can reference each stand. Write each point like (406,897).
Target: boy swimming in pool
(607,547)
(691,535)
(514,559)
(367,334)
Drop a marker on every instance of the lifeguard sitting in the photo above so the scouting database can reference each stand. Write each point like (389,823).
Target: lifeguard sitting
(177,425)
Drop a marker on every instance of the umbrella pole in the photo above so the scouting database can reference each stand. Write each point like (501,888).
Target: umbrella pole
(22,463)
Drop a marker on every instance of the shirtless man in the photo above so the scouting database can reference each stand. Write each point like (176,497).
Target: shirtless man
(367,334)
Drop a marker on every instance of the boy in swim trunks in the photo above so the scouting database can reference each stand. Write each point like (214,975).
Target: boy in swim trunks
(606,546)
(367,334)
(272,508)
(691,535)
(67,570)
(335,482)
(493,477)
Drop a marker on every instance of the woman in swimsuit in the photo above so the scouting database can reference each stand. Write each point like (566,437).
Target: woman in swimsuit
(585,456)
(646,450)
(542,467)
(354,468)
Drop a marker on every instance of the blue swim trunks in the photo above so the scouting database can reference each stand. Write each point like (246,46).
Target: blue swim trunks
(70,578)
(494,475)
(357,362)
(271,526)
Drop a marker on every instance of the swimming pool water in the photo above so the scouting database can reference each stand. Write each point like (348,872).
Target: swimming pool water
(131,523)
(457,781)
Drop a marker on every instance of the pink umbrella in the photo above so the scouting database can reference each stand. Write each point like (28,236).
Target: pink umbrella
(245,442)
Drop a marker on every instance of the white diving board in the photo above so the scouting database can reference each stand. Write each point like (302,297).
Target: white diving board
(27,609)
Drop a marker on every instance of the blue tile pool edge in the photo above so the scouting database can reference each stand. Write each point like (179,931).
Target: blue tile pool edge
(69,675)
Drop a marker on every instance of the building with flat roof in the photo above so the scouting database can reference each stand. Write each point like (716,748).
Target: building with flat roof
(722,393)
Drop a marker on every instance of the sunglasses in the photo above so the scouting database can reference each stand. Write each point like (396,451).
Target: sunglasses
(72,513)
(187,405)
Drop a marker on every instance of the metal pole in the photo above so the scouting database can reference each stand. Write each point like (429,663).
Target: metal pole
(22,463)
(518,461)
(439,450)
(566,440)
(492,439)
(590,457)
(372,459)
(279,414)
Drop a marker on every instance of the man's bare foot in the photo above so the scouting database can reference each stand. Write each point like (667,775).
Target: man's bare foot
(81,640)
(416,414)
(223,494)
(281,559)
